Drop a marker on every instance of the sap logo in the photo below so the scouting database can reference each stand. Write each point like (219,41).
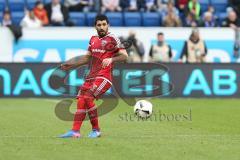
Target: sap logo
(48,50)
(223,83)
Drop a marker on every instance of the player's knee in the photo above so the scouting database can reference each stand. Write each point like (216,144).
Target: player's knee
(90,102)
(89,99)
(89,96)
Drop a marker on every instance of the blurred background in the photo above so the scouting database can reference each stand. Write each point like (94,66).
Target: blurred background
(185,50)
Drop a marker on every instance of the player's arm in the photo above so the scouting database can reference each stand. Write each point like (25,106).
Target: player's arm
(76,62)
(121,56)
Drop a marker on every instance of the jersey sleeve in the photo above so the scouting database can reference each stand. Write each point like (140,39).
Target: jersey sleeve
(89,45)
(118,44)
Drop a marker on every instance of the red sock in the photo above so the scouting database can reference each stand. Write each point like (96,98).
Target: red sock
(92,113)
(79,115)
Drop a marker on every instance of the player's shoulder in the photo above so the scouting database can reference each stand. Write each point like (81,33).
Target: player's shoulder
(113,37)
(93,37)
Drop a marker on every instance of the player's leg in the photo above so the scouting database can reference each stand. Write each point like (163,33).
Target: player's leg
(78,120)
(80,113)
(93,115)
(99,87)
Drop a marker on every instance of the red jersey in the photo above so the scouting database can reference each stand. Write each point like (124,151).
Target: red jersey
(101,48)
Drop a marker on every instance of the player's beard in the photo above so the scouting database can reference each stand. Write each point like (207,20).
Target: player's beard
(102,33)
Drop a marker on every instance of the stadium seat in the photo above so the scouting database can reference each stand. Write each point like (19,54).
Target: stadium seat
(16,5)
(132,19)
(221,17)
(115,19)
(1,16)
(31,4)
(17,17)
(151,19)
(90,18)
(48,1)
(2,5)
(220,5)
(204,5)
(78,18)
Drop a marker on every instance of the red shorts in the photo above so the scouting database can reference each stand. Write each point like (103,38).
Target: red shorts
(95,87)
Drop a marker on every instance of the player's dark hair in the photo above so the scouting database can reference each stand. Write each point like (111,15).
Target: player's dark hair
(101,17)
(37,3)
(6,12)
(160,34)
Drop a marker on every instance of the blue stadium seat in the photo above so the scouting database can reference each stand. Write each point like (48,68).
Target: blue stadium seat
(151,19)
(221,17)
(132,19)
(48,1)
(91,18)
(31,4)
(78,18)
(204,5)
(17,17)
(2,5)
(16,5)
(1,16)
(115,19)
(220,5)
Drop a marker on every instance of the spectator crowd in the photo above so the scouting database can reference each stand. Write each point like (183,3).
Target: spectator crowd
(174,13)
(194,50)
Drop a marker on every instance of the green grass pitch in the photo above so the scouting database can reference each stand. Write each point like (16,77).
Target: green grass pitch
(206,129)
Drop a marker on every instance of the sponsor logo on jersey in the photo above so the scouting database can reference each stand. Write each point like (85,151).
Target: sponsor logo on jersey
(98,50)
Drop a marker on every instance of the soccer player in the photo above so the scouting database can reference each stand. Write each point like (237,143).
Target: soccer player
(104,50)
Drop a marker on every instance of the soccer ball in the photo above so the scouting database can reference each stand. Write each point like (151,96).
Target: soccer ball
(143,108)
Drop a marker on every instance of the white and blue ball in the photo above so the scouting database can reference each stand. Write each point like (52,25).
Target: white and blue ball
(143,108)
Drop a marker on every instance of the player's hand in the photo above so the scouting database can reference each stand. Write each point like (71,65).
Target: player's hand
(66,66)
(106,62)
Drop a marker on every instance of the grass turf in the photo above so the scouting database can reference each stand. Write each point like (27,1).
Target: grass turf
(28,130)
